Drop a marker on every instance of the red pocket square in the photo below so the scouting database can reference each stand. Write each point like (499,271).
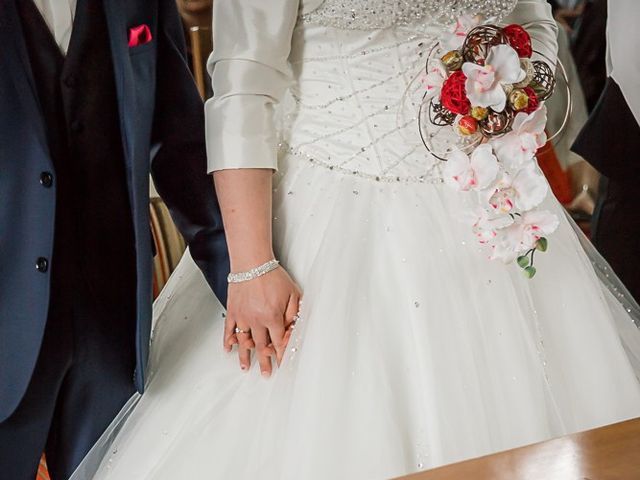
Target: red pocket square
(139,35)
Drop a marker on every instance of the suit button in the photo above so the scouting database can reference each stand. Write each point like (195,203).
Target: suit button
(76,126)
(42,265)
(70,81)
(46,179)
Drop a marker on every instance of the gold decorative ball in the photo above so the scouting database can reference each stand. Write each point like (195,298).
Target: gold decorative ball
(480,40)
(453,60)
(518,100)
(479,113)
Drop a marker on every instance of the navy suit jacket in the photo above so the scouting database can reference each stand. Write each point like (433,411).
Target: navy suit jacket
(160,112)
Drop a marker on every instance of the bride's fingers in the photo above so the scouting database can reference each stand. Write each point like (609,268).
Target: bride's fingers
(244,356)
(229,338)
(244,353)
(245,344)
(287,337)
(233,340)
(283,333)
(263,351)
(277,332)
(293,309)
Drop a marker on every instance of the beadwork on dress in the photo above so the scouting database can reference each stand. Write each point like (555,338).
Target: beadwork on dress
(357,93)
(377,14)
(351,113)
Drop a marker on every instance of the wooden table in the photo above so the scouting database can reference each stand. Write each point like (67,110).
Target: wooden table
(608,453)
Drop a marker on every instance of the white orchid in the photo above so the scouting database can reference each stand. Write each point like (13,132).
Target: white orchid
(454,38)
(434,79)
(504,185)
(523,191)
(523,233)
(485,225)
(527,135)
(478,171)
(484,83)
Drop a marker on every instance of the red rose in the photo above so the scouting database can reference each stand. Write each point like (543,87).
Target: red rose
(534,103)
(519,39)
(454,94)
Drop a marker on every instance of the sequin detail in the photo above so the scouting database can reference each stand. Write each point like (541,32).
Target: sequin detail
(377,14)
(356,110)
(431,176)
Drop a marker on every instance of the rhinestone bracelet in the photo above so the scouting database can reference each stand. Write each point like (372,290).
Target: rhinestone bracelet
(254,272)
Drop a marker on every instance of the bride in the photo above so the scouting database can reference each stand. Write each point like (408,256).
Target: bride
(411,349)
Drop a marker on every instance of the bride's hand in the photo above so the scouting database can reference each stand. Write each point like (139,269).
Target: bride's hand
(262,309)
(265,307)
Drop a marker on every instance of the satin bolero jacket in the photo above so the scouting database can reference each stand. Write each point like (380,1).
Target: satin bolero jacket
(250,73)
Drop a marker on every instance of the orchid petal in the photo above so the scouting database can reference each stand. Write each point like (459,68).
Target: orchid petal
(506,63)
(434,79)
(485,165)
(457,172)
(531,187)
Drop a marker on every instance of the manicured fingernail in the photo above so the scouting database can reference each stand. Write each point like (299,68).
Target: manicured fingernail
(243,367)
(266,374)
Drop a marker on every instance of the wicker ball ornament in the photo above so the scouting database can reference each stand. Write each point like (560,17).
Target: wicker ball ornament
(480,40)
(544,80)
(440,116)
(497,123)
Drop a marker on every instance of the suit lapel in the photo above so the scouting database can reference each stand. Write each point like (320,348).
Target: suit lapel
(124,82)
(16,59)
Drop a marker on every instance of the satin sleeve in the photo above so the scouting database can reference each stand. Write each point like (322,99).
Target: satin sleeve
(250,73)
(536,17)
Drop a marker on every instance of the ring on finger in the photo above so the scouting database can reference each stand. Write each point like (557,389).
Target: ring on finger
(240,330)
(294,320)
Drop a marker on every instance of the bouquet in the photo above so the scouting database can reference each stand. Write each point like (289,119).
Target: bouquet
(489,91)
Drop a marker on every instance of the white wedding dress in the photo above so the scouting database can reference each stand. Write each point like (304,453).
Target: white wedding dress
(413,349)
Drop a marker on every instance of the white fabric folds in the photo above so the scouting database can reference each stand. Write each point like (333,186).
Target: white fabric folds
(250,73)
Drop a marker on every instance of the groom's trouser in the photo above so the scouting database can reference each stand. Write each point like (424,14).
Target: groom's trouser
(616,229)
(81,380)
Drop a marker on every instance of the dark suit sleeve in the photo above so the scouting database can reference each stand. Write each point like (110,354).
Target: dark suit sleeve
(179,168)
(612,151)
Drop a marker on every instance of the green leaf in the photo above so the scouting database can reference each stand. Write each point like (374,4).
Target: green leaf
(523,261)
(539,89)
(542,244)
(530,271)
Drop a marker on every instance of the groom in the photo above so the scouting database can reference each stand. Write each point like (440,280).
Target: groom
(610,141)
(92,92)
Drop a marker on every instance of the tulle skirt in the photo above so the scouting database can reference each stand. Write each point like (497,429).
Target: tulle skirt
(413,349)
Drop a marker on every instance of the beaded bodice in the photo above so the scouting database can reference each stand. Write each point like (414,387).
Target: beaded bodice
(376,14)
(358,67)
